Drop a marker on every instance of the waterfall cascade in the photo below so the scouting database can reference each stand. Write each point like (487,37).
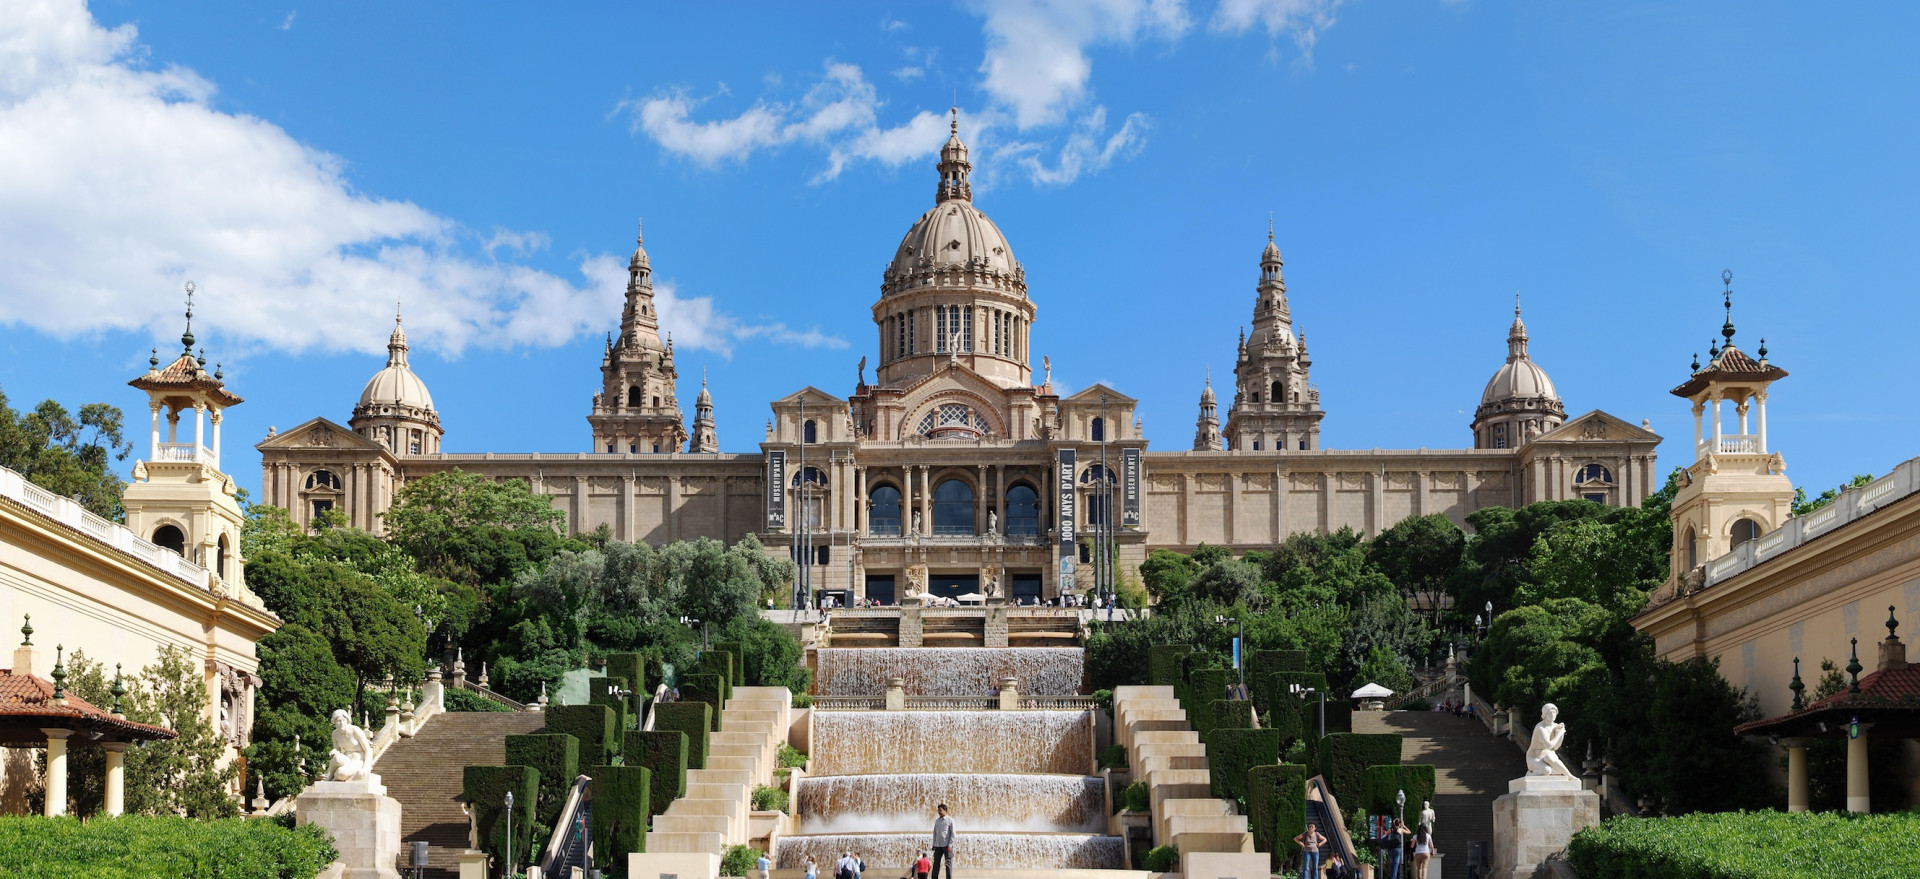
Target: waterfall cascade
(948,671)
(904,742)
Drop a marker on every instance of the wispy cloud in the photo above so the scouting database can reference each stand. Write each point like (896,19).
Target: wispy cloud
(1303,20)
(286,24)
(1088,149)
(1036,59)
(696,322)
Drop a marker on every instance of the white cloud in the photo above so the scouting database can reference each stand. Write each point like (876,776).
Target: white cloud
(1036,61)
(287,24)
(694,321)
(1088,150)
(909,74)
(119,182)
(1306,20)
(891,24)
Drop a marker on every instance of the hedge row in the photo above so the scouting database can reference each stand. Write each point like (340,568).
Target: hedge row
(1278,660)
(693,718)
(592,725)
(1272,691)
(718,662)
(633,667)
(606,691)
(1203,687)
(556,756)
(1277,809)
(1230,714)
(622,797)
(1384,783)
(738,651)
(665,753)
(143,847)
(1166,665)
(708,687)
(1750,845)
(1232,752)
(486,787)
(1343,759)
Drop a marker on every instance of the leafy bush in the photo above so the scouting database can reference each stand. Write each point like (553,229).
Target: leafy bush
(1750,845)
(622,800)
(1104,699)
(1163,859)
(1271,691)
(557,758)
(790,757)
(1231,752)
(1137,797)
(802,700)
(633,667)
(592,725)
(1286,719)
(1277,809)
(1203,687)
(1343,759)
(769,799)
(693,718)
(1230,714)
(486,787)
(1113,757)
(1279,660)
(665,753)
(467,700)
(705,687)
(718,662)
(739,860)
(1164,664)
(1384,783)
(142,847)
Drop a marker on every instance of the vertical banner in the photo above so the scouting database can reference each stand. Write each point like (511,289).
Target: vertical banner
(776,490)
(1069,547)
(1129,488)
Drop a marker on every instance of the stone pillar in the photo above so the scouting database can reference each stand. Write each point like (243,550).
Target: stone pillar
(628,529)
(1009,694)
(1798,799)
(1716,424)
(896,694)
(1000,495)
(214,416)
(1698,434)
(57,772)
(363,821)
(1535,819)
(1857,799)
(980,503)
(153,453)
(926,500)
(1761,398)
(199,410)
(860,510)
(116,777)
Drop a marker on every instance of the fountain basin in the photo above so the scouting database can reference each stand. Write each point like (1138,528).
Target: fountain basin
(997,803)
(1017,851)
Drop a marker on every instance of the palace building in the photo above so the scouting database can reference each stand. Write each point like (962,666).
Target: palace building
(955,461)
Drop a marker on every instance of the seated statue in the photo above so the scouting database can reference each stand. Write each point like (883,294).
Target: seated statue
(352,756)
(1542,756)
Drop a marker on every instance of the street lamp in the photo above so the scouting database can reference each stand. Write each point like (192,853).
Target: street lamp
(1400,818)
(1300,691)
(691,622)
(509,833)
(1239,638)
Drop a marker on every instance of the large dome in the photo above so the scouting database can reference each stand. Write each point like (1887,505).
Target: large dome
(395,386)
(952,233)
(1518,380)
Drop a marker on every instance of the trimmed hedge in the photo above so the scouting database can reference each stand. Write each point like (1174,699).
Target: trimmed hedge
(1230,714)
(1136,797)
(718,662)
(145,847)
(1271,689)
(556,756)
(592,725)
(664,752)
(705,687)
(1277,809)
(738,651)
(601,691)
(1203,687)
(1750,845)
(1279,660)
(1384,782)
(622,802)
(1343,759)
(1287,722)
(1164,664)
(486,787)
(1231,752)
(693,718)
(1163,859)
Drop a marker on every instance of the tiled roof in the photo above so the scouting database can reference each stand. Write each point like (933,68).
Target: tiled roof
(1887,690)
(185,373)
(24,697)
(1733,364)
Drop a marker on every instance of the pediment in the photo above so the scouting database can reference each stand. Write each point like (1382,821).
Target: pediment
(1091,394)
(319,433)
(1598,426)
(812,396)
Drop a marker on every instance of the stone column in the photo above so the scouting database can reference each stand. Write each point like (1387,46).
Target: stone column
(860,509)
(1716,423)
(668,502)
(1698,433)
(57,771)
(1857,799)
(214,416)
(199,410)
(154,453)
(1797,797)
(116,777)
(1761,398)
(980,503)
(629,516)
(1000,494)
(1009,694)
(926,500)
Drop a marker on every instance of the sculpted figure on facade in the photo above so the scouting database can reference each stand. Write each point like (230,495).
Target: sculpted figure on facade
(352,755)
(1542,753)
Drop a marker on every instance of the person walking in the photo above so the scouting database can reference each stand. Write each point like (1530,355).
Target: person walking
(1310,843)
(1393,849)
(813,869)
(1422,850)
(942,843)
(922,868)
(765,866)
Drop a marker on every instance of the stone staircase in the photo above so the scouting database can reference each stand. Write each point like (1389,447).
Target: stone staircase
(1167,754)
(424,773)
(1471,769)
(713,814)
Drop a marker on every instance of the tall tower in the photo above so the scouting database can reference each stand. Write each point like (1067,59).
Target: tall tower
(704,437)
(1519,402)
(1274,404)
(179,498)
(395,409)
(635,409)
(1206,431)
(1736,489)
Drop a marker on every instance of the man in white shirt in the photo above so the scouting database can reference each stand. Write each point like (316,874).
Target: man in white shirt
(942,843)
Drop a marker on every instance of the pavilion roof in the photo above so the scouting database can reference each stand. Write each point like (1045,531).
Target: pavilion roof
(1888,698)
(27,701)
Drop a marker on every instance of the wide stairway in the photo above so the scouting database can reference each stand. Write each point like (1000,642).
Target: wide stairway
(1471,769)
(424,773)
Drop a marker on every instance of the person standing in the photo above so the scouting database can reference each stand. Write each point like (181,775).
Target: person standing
(1310,843)
(922,867)
(813,869)
(1422,850)
(765,866)
(1393,849)
(942,843)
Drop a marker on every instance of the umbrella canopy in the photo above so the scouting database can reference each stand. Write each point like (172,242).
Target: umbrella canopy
(972,596)
(1372,691)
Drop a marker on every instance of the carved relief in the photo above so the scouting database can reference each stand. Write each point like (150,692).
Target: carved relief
(607,484)
(1444,481)
(1163,482)
(1257,481)
(1400,481)
(1594,430)
(651,485)
(1495,480)
(1350,481)
(1211,481)
(320,436)
(1303,481)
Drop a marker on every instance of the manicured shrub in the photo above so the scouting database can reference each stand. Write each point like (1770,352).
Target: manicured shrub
(1203,687)
(1343,759)
(633,667)
(1163,859)
(693,718)
(486,787)
(1164,664)
(717,662)
(145,847)
(664,752)
(1385,782)
(1136,797)
(769,799)
(705,687)
(1287,722)
(802,700)
(1231,752)
(738,651)
(1231,714)
(1113,757)
(556,756)
(1277,809)
(1272,690)
(606,691)
(1750,845)
(1279,660)
(739,860)
(592,725)
(622,802)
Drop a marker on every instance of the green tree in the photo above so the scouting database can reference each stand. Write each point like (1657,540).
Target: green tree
(473,530)
(184,775)
(301,685)
(1587,559)
(1420,555)
(1166,574)
(1383,668)
(1802,506)
(66,455)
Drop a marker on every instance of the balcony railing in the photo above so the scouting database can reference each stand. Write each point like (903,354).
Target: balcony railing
(69,513)
(1733,444)
(187,453)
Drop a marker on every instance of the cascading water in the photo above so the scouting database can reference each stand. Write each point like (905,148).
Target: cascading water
(999,803)
(1007,851)
(905,742)
(948,671)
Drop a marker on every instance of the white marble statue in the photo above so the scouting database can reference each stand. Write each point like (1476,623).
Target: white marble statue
(1542,758)
(1426,814)
(993,523)
(916,521)
(352,756)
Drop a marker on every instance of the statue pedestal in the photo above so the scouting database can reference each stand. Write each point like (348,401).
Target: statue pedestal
(1535,819)
(364,823)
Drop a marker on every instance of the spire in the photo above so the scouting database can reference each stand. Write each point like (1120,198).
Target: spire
(397,343)
(705,438)
(186,338)
(1206,429)
(954,166)
(639,247)
(1517,334)
(1726,329)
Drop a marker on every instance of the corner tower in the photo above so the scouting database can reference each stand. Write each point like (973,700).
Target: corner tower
(1275,405)
(1519,402)
(635,409)
(705,438)
(1206,429)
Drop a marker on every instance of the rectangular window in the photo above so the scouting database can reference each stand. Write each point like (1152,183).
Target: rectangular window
(321,507)
(1303,445)
(821,557)
(966,329)
(939,331)
(1596,498)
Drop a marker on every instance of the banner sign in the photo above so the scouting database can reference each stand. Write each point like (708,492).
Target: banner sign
(776,490)
(1129,488)
(1068,547)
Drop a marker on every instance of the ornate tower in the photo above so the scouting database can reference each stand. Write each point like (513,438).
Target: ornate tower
(1274,404)
(1206,432)
(395,409)
(1736,488)
(704,438)
(635,409)
(1519,402)
(179,498)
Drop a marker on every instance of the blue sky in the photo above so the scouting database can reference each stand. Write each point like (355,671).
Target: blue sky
(1422,160)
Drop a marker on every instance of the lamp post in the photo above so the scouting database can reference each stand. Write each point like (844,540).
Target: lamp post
(1239,641)
(691,622)
(1302,692)
(1399,818)
(509,833)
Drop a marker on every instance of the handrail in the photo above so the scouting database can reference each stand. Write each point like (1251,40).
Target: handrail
(570,825)
(1484,711)
(470,686)
(1437,685)
(1318,784)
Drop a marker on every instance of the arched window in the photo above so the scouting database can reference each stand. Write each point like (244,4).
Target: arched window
(1023,511)
(1094,473)
(1692,548)
(883,512)
(953,508)
(169,537)
(220,561)
(323,479)
(1279,391)
(1593,474)
(1095,502)
(635,397)
(1743,531)
(809,432)
(1099,429)
(812,474)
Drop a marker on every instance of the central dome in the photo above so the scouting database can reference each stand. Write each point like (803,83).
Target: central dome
(953,233)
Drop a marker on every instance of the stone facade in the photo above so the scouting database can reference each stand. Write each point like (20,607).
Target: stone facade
(955,458)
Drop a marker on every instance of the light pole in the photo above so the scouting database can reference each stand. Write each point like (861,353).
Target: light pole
(1239,640)
(1302,692)
(1102,568)
(691,622)
(509,833)
(1399,818)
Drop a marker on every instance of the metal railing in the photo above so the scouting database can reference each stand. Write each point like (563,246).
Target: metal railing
(571,844)
(1337,833)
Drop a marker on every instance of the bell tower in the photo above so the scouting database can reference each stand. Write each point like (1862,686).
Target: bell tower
(1275,405)
(1736,488)
(635,410)
(179,498)
(1206,429)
